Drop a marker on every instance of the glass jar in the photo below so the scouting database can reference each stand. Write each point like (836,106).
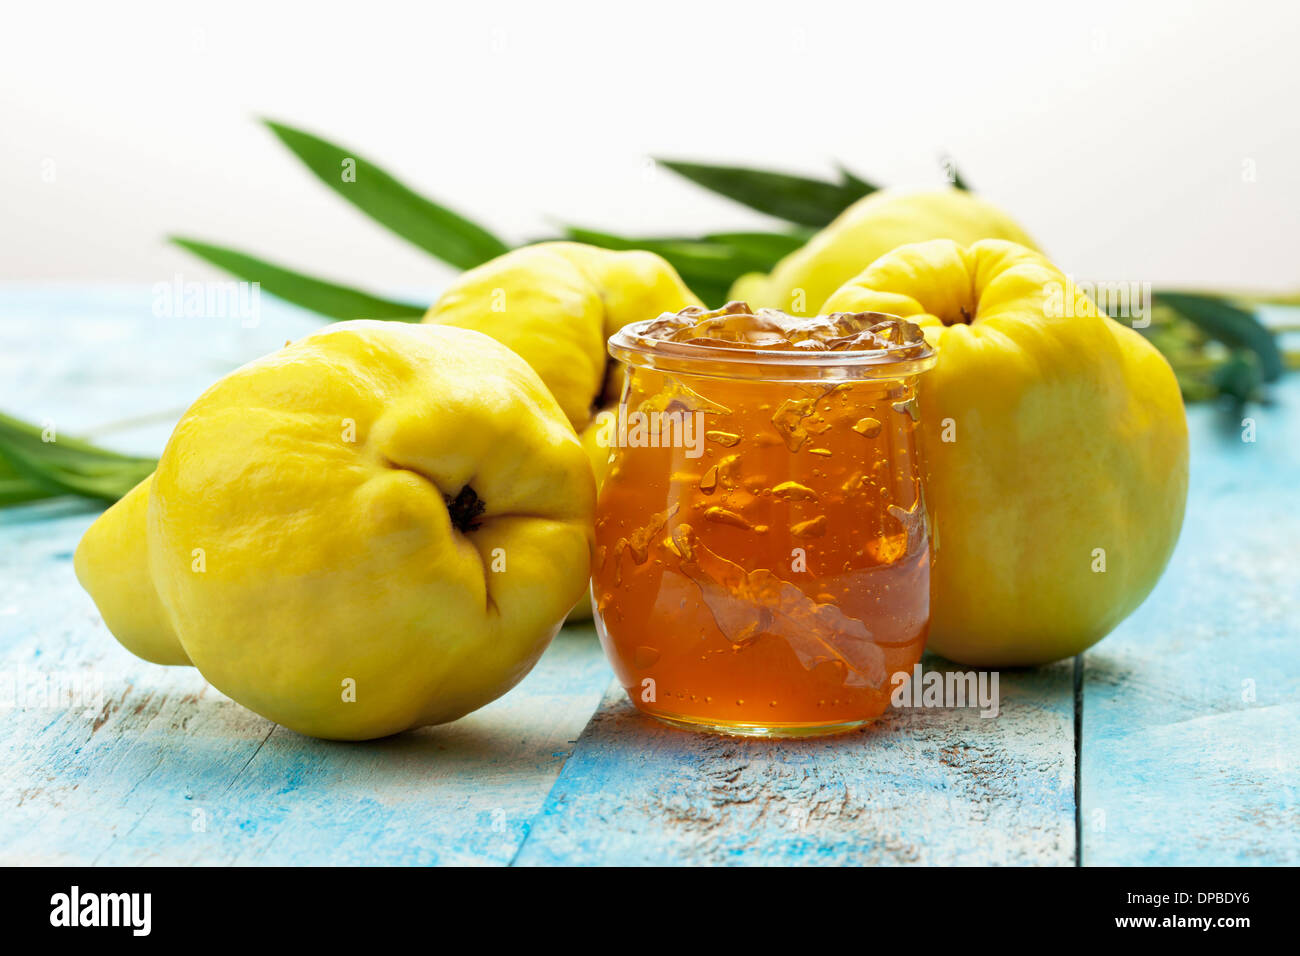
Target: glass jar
(762,556)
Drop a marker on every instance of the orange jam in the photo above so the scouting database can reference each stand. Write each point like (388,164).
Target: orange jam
(762,548)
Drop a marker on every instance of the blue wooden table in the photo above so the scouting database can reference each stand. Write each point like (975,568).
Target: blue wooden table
(1174,741)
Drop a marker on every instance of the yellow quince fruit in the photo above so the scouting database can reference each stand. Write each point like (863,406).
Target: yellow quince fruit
(1055,443)
(378,527)
(114,552)
(555,304)
(874,225)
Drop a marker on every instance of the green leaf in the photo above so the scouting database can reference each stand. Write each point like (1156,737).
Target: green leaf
(33,468)
(325,298)
(1239,378)
(797,199)
(722,254)
(433,227)
(15,432)
(697,256)
(767,248)
(16,488)
(708,265)
(1227,323)
(850,181)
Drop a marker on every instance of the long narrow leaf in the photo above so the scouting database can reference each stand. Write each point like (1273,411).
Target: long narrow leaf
(325,298)
(433,227)
(1229,324)
(32,468)
(853,182)
(698,256)
(16,488)
(766,247)
(708,268)
(1239,378)
(14,432)
(721,254)
(709,264)
(104,484)
(797,199)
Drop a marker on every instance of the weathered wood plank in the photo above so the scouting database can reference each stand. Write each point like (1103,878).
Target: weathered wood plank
(1191,709)
(923,786)
(152,765)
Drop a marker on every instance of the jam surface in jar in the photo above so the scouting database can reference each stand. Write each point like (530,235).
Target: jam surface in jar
(762,548)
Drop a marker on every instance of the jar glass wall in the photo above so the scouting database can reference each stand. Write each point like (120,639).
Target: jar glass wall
(762,547)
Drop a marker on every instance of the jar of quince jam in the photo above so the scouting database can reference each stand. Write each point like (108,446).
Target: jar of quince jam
(762,549)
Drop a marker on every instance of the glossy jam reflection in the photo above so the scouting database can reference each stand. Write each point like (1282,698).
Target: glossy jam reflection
(774,583)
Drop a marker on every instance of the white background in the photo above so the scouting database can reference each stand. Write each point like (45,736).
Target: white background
(1138,142)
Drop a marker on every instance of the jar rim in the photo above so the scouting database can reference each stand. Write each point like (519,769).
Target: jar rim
(632,347)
